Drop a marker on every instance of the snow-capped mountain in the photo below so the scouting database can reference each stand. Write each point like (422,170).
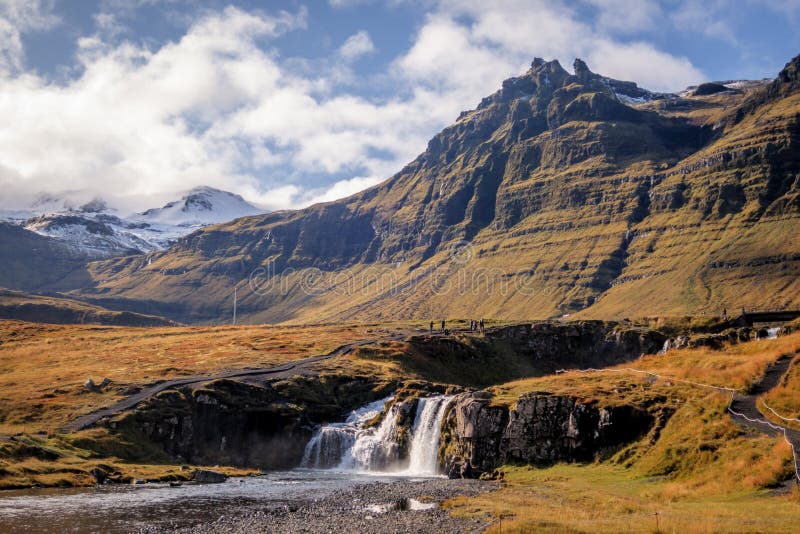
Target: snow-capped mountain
(96,230)
(98,235)
(199,207)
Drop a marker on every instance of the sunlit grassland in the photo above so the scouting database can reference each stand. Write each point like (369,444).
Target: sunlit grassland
(700,472)
(608,498)
(43,367)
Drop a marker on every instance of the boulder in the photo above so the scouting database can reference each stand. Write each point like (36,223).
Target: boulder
(205,476)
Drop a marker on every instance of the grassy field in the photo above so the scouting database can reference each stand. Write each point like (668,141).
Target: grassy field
(695,471)
(603,498)
(700,473)
(43,367)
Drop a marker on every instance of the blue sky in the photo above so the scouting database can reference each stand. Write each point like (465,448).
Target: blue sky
(292,102)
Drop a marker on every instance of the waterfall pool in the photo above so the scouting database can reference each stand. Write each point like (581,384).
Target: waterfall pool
(122,508)
(340,458)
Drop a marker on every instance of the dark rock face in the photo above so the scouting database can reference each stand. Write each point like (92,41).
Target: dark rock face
(253,425)
(541,429)
(580,343)
(709,88)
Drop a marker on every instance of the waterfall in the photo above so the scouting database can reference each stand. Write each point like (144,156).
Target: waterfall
(772,333)
(330,443)
(423,454)
(352,446)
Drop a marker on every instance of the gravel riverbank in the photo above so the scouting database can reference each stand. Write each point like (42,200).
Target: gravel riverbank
(395,507)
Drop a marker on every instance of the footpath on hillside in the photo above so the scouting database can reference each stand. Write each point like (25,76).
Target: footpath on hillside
(744,409)
(279,371)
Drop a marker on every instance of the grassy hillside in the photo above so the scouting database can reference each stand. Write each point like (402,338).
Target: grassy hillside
(553,196)
(699,472)
(49,309)
(29,261)
(43,367)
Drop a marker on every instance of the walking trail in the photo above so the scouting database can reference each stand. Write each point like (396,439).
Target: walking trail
(128,403)
(744,410)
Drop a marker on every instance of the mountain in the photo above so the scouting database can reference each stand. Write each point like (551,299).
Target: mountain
(93,229)
(56,310)
(200,207)
(30,261)
(559,194)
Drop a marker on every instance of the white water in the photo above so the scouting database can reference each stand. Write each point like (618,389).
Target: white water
(349,446)
(423,454)
(772,333)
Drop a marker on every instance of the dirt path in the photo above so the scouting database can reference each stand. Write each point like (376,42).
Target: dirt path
(744,409)
(132,401)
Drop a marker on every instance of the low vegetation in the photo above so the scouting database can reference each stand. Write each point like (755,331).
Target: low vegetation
(699,471)
(43,367)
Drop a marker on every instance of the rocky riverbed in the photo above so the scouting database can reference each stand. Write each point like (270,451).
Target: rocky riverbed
(404,506)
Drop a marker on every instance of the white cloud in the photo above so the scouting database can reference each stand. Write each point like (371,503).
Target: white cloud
(218,107)
(492,39)
(705,16)
(357,45)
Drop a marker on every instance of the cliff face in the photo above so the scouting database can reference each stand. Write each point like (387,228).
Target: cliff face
(541,429)
(258,425)
(559,193)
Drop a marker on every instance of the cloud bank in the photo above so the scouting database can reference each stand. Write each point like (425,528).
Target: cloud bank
(220,106)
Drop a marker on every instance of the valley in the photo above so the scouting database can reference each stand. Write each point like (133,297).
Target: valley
(636,254)
(638,430)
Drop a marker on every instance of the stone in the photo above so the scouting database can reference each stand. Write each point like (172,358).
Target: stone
(100,475)
(541,429)
(89,385)
(205,476)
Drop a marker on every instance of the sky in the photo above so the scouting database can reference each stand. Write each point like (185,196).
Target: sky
(291,102)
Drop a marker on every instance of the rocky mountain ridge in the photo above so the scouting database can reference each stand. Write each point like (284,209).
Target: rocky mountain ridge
(566,193)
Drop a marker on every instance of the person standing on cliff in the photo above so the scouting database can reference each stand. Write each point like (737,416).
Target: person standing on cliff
(482,327)
(431,331)
(442,325)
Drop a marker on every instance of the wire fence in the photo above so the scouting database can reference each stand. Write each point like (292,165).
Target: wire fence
(779,416)
(730,391)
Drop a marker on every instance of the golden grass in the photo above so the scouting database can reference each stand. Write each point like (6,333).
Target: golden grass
(701,473)
(38,461)
(43,367)
(735,366)
(606,498)
(785,399)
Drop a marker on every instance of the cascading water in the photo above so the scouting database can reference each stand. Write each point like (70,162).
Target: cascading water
(423,454)
(351,446)
(772,333)
(331,444)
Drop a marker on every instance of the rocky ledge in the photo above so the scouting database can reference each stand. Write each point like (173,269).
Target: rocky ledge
(479,436)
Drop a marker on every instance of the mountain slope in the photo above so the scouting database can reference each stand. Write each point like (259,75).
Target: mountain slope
(55,310)
(560,193)
(31,261)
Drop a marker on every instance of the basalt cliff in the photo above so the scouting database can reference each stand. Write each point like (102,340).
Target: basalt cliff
(560,193)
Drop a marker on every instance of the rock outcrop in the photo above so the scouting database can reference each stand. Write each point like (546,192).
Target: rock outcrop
(258,425)
(540,429)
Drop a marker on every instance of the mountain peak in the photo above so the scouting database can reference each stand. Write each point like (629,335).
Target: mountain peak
(582,71)
(200,206)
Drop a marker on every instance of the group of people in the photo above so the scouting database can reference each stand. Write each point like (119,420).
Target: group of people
(473,326)
(476,325)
